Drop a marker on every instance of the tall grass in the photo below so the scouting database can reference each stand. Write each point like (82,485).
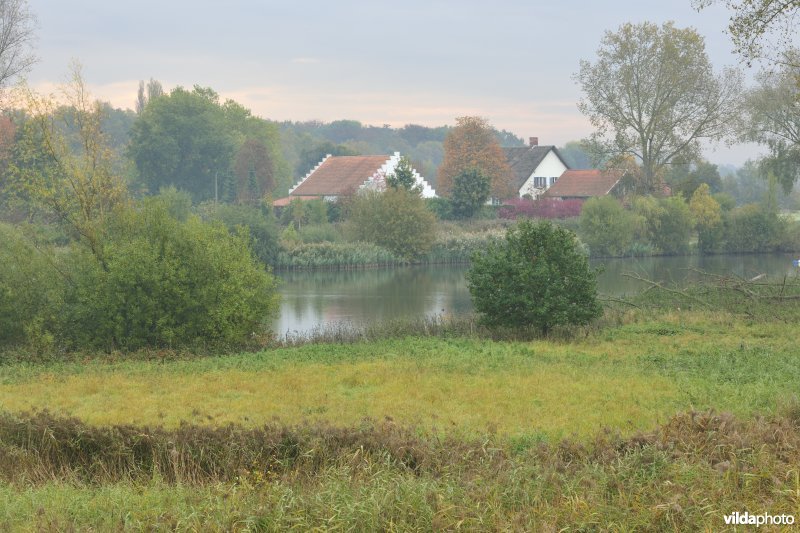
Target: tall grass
(682,475)
(336,256)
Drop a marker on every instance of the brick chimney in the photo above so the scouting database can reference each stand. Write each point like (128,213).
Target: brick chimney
(533,141)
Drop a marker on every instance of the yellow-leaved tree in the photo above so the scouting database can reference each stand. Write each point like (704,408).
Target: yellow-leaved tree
(64,164)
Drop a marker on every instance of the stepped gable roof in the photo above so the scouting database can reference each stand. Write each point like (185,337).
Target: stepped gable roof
(340,175)
(524,160)
(584,183)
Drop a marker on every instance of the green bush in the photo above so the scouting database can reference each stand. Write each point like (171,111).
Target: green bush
(471,189)
(396,219)
(163,282)
(674,226)
(537,277)
(441,207)
(260,224)
(754,228)
(314,233)
(30,290)
(606,227)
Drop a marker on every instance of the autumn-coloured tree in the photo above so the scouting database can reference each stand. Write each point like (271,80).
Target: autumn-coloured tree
(71,176)
(472,145)
(707,218)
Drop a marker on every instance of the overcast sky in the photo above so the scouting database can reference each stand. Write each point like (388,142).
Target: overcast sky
(417,61)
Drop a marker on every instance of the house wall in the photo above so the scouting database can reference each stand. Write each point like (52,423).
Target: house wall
(550,167)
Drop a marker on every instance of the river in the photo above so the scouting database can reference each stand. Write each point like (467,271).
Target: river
(316,299)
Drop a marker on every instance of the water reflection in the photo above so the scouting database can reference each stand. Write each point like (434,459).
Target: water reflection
(313,299)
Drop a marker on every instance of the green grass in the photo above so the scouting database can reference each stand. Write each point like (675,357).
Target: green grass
(626,377)
(575,432)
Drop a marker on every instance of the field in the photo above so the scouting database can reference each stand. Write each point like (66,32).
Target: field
(664,421)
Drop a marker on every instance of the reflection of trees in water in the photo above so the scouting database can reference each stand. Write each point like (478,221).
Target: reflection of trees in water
(379,294)
(684,269)
(359,296)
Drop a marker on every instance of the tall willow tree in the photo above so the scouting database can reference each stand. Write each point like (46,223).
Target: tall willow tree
(652,94)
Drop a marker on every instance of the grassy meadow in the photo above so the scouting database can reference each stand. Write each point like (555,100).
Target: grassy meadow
(660,420)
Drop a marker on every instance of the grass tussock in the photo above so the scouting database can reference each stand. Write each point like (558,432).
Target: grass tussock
(683,475)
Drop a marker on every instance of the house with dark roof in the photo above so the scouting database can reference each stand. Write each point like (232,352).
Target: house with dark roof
(337,176)
(534,168)
(585,184)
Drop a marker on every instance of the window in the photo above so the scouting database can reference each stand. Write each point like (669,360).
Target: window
(539,182)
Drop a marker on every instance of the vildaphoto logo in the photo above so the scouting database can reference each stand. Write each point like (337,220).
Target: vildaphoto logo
(764,519)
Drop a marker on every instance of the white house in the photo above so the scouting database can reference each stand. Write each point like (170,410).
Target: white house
(534,168)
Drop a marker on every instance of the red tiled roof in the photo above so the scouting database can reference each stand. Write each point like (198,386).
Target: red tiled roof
(584,183)
(340,175)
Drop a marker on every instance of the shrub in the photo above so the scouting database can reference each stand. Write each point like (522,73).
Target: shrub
(163,282)
(30,290)
(260,224)
(667,223)
(537,277)
(607,227)
(470,191)
(441,207)
(540,208)
(313,233)
(753,228)
(396,219)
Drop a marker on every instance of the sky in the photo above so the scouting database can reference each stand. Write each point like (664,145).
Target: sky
(411,62)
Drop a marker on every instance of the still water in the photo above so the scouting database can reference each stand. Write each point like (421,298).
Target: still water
(315,299)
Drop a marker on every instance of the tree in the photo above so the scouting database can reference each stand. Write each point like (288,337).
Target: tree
(470,192)
(167,283)
(576,155)
(759,23)
(254,172)
(607,227)
(773,119)
(707,219)
(403,176)
(674,226)
(17,25)
(396,219)
(311,156)
(537,277)
(189,140)
(70,176)
(472,144)
(652,94)
(153,91)
(685,178)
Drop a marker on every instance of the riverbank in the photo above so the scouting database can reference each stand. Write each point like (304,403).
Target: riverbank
(607,425)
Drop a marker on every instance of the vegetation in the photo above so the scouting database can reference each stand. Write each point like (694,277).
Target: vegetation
(472,145)
(606,227)
(652,95)
(397,220)
(538,277)
(757,24)
(471,189)
(213,150)
(525,418)
(403,176)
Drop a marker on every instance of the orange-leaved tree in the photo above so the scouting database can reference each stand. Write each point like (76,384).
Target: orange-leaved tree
(472,145)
